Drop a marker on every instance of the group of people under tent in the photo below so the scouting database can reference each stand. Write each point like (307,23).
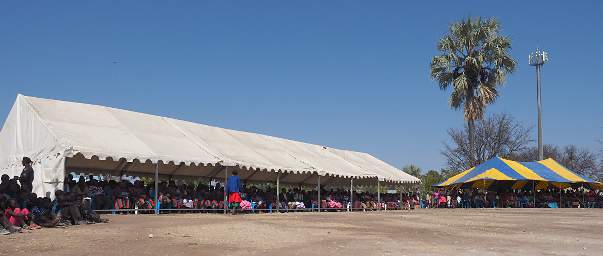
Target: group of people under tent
(571,197)
(110,195)
(23,211)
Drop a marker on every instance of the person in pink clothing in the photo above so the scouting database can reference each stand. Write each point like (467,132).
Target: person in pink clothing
(5,226)
(436,199)
(442,203)
(16,216)
(334,204)
(245,205)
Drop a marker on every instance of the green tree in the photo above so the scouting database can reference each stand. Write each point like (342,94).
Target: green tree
(413,170)
(474,59)
(431,178)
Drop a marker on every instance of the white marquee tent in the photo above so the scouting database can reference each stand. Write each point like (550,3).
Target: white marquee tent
(62,136)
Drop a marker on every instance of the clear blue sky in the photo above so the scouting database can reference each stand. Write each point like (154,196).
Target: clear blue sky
(347,74)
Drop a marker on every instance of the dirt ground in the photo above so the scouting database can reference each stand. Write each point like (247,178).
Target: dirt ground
(418,232)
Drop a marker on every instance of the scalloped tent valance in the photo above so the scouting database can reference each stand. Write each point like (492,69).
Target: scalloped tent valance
(60,135)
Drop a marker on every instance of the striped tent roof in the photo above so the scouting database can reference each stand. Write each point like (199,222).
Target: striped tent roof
(494,169)
(500,169)
(551,170)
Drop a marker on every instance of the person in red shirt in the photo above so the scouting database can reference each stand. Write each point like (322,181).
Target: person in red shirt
(18,217)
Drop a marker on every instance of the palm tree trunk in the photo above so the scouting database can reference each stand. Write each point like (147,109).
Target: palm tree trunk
(471,135)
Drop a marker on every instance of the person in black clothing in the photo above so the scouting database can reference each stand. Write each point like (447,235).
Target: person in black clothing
(4,182)
(42,213)
(13,188)
(69,208)
(27,175)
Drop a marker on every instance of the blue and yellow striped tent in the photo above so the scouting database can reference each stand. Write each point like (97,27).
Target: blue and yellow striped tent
(495,169)
(540,174)
(552,171)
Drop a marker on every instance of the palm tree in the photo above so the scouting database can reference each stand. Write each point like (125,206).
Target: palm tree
(474,59)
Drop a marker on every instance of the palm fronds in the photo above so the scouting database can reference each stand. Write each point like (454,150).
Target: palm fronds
(474,60)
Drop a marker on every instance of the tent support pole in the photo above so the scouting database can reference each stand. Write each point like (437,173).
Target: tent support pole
(560,198)
(378,194)
(400,204)
(351,194)
(534,192)
(583,190)
(318,188)
(224,188)
(485,194)
(278,192)
(157,188)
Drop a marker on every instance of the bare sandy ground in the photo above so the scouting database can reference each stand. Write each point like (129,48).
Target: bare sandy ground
(419,232)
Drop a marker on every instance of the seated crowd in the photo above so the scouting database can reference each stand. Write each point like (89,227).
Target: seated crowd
(23,210)
(125,196)
(80,201)
(477,198)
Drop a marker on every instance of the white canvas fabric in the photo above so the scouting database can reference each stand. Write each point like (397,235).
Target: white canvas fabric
(24,134)
(48,131)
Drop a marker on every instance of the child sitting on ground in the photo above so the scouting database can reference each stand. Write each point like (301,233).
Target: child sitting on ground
(19,217)
(70,210)
(5,225)
(42,213)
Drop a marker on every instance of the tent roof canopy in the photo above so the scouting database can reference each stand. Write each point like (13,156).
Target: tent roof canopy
(106,133)
(500,169)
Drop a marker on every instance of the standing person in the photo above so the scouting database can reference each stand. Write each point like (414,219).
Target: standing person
(27,175)
(233,186)
(428,199)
